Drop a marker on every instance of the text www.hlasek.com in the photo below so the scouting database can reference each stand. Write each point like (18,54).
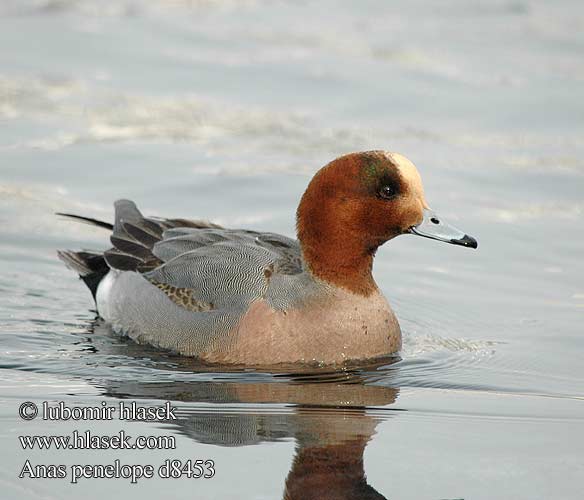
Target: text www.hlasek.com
(88,441)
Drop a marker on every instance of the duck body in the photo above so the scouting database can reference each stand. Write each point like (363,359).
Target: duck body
(317,324)
(251,298)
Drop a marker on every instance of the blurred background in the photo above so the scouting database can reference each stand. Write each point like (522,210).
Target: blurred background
(223,109)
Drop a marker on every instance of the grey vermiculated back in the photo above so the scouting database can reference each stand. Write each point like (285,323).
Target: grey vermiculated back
(226,274)
(180,240)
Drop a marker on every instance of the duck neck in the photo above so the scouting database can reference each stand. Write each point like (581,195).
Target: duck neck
(340,265)
(335,255)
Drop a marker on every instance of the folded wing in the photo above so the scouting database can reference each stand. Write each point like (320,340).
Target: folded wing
(199,265)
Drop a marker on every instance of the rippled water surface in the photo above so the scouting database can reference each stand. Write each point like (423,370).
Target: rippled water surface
(223,110)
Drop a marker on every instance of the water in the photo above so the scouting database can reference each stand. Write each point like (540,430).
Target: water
(223,110)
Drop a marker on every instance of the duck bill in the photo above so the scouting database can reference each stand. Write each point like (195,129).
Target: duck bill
(437,228)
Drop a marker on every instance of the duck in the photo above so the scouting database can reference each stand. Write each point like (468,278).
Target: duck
(243,297)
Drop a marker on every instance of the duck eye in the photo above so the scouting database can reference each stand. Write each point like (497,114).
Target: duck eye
(387,192)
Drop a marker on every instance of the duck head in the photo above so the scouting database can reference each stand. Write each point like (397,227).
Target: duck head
(355,204)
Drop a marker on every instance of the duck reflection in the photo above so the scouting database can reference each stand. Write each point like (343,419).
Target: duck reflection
(331,417)
(329,421)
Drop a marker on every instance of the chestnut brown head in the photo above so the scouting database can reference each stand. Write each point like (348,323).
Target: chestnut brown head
(355,204)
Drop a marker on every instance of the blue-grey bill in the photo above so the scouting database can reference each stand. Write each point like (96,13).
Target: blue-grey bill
(437,228)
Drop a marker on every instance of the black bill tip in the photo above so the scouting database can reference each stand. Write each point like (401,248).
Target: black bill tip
(466,241)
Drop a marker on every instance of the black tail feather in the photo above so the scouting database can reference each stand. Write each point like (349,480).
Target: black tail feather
(91,266)
(87,220)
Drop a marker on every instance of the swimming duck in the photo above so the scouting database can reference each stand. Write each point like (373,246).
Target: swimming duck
(235,296)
